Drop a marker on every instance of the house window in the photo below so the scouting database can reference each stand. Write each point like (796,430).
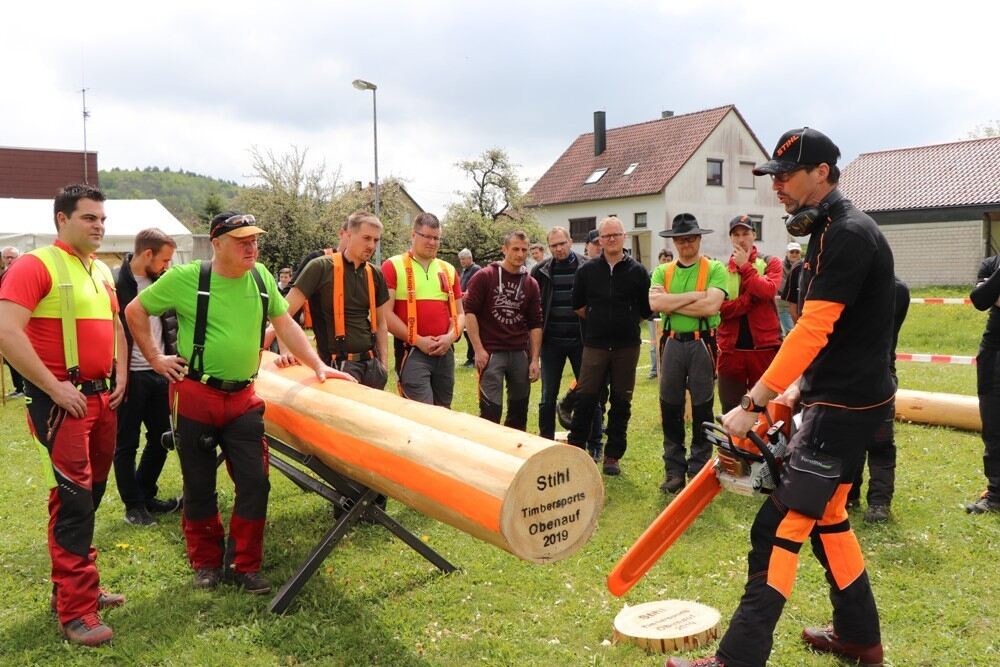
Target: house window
(640,221)
(595,176)
(580,227)
(746,175)
(714,172)
(758,226)
(629,169)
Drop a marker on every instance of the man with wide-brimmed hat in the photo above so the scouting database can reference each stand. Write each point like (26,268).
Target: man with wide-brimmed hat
(689,292)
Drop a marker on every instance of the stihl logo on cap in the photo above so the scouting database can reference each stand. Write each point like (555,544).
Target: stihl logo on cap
(788,144)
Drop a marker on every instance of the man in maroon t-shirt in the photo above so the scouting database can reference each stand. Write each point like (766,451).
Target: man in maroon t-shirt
(503,315)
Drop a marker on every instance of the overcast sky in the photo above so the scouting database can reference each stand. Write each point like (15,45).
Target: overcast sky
(193,85)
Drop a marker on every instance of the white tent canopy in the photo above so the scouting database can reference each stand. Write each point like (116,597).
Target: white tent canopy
(27,224)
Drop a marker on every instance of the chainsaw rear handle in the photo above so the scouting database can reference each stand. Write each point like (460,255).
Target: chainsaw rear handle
(717,433)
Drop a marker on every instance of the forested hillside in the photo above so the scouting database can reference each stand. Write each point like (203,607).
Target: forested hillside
(192,198)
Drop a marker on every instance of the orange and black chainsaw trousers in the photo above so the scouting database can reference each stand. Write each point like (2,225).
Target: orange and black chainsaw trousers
(80,452)
(809,503)
(234,421)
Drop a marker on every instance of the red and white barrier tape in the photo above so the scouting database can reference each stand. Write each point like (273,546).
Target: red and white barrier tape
(939,301)
(937,358)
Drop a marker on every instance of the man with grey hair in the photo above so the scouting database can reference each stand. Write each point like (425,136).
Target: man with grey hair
(469,269)
(611,294)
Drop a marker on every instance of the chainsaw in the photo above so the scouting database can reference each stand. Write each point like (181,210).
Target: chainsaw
(747,466)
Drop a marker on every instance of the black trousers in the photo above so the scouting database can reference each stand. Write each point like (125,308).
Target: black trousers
(881,456)
(810,502)
(146,403)
(596,364)
(988,388)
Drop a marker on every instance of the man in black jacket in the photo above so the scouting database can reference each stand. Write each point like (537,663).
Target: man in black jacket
(611,293)
(146,399)
(469,269)
(561,334)
(986,296)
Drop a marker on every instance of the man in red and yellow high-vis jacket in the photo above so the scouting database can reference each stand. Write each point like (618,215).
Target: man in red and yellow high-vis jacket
(838,354)
(59,327)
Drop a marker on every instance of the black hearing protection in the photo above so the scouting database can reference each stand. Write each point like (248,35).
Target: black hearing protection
(802,222)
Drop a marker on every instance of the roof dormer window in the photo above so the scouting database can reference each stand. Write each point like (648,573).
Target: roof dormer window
(629,169)
(595,176)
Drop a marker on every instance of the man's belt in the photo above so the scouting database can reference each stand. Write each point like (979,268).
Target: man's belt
(94,387)
(687,336)
(228,386)
(354,356)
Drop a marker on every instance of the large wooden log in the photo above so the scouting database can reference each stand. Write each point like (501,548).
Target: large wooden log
(926,407)
(533,497)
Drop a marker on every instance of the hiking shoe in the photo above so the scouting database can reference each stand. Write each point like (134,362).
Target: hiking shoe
(877,514)
(169,506)
(596,451)
(17,393)
(139,516)
(251,582)
(652,375)
(88,630)
(611,466)
(564,410)
(826,639)
(105,600)
(852,503)
(208,578)
(672,484)
(710,661)
(985,504)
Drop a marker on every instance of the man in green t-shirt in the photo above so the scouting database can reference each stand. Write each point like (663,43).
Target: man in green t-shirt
(689,293)
(214,401)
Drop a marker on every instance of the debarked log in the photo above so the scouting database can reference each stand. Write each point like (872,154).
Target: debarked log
(936,408)
(533,497)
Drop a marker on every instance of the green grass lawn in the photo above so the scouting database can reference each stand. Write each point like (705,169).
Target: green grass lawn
(375,602)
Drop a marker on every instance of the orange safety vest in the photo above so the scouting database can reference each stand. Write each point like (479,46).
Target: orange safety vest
(700,285)
(339,321)
(411,299)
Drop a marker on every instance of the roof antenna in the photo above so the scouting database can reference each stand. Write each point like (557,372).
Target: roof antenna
(86,115)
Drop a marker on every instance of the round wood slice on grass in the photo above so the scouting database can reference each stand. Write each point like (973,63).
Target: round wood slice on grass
(667,625)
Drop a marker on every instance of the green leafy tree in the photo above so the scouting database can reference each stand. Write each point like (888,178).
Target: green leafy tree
(394,212)
(489,210)
(983,130)
(290,200)
(213,206)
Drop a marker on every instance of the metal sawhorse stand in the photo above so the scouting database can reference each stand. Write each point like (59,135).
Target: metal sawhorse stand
(357,502)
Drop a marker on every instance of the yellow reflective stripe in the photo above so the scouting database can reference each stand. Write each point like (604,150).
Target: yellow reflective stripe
(67,302)
(47,471)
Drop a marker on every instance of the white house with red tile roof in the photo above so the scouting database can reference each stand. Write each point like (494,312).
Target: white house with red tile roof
(699,163)
(938,206)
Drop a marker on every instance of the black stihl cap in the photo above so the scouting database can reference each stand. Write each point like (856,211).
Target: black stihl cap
(800,148)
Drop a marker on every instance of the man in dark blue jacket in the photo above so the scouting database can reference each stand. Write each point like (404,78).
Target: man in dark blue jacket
(561,335)
(986,296)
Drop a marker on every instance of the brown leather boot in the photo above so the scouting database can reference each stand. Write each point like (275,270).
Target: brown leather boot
(88,630)
(826,639)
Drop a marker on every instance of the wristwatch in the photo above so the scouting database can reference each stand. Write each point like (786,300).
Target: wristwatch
(747,404)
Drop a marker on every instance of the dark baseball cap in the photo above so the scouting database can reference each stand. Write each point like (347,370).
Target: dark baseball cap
(799,148)
(592,236)
(237,224)
(740,221)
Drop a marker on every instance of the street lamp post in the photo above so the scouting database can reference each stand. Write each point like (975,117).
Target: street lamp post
(361,84)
